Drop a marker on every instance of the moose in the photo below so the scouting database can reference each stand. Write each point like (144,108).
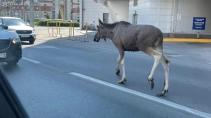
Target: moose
(129,37)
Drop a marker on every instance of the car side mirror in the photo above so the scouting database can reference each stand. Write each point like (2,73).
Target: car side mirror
(5,27)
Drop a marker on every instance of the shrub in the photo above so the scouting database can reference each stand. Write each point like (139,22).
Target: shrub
(63,23)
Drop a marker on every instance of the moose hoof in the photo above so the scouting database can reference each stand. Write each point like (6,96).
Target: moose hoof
(122,81)
(151,83)
(162,93)
(117,71)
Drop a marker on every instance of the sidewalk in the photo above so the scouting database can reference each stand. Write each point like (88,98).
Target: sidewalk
(188,40)
(78,32)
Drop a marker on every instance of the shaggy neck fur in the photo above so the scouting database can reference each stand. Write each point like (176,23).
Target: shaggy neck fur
(108,31)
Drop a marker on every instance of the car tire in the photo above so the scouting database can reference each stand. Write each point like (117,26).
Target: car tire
(14,62)
(31,42)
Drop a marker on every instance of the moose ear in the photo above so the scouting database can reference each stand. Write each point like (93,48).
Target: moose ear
(100,21)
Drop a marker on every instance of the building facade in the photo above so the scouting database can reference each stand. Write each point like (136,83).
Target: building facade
(179,17)
(69,10)
(75,11)
(42,9)
(91,11)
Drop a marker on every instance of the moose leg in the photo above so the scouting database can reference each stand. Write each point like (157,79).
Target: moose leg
(150,77)
(118,64)
(123,72)
(165,64)
(122,61)
(156,54)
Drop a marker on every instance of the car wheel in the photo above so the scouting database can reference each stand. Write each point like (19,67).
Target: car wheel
(14,62)
(31,42)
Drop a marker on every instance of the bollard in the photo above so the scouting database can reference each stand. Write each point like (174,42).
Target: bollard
(69,32)
(86,35)
(73,33)
(52,32)
(86,31)
(172,36)
(197,35)
(71,29)
(57,29)
(48,28)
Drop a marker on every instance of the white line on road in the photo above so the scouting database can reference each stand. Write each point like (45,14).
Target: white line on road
(46,47)
(155,99)
(30,60)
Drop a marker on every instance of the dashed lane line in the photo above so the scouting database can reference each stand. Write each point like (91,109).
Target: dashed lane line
(140,94)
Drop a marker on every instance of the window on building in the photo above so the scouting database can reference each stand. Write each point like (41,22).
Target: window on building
(45,5)
(135,2)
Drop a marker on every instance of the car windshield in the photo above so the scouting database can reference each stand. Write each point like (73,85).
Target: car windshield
(14,22)
(115,59)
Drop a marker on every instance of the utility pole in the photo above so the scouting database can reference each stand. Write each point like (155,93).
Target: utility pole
(1,7)
(39,9)
(32,13)
(11,9)
(23,11)
(18,11)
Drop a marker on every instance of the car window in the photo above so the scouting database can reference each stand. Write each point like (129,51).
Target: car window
(14,22)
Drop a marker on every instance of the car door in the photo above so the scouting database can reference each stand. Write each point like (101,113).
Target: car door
(9,103)
(1,22)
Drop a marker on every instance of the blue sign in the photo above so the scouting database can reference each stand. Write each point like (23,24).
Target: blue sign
(199,23)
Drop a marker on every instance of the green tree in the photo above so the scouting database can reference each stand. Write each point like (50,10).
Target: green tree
(59,15)
(47,16)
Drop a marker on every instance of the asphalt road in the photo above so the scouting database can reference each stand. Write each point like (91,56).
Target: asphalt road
(59,78)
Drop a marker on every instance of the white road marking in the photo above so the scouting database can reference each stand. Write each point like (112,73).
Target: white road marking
(45,47)
(152,98)
(30,60)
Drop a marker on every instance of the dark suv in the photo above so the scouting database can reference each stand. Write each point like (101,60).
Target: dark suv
(10,46)
(25,32)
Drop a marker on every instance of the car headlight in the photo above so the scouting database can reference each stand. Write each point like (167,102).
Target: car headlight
(16,40)
(11,30)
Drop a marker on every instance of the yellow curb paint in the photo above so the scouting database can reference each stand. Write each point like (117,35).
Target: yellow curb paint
(187,40)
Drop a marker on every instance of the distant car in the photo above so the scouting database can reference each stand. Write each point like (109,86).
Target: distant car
(25,32)
(10,46)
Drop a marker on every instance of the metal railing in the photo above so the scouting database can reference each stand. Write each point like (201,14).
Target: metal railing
(55,30)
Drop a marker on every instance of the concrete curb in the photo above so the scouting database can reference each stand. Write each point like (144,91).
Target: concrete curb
(178,40)
(187,40)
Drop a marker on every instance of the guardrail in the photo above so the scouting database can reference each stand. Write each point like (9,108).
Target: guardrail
(56,30)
